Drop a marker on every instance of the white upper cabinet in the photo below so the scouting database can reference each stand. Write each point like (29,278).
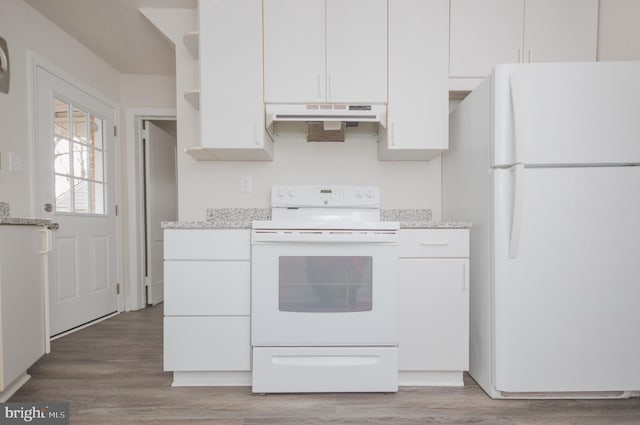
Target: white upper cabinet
(417,111)
(325,51)
(485,33)
(618,30)
(231,90)
(357,51)
(294,62)
(560,30)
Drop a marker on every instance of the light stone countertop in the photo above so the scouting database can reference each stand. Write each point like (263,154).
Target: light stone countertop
(6,219)
(242,218)
(24,221)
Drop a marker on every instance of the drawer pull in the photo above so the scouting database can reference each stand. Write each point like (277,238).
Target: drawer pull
(465,279)
(441,243)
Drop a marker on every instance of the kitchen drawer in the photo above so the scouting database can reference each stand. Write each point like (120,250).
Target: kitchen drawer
(207,344)
(207,244)
(201,288)
(434,243)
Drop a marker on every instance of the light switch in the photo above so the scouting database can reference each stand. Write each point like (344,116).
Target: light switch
(15,162)
(246,184)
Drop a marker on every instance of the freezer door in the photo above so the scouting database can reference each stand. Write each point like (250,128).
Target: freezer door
(566,279)
(570,113)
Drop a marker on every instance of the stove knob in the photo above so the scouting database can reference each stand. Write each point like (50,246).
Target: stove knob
(292,193)
(358,193)
(281,193)
(369,194)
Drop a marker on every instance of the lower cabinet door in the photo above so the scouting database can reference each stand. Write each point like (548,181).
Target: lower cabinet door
(216,343)
(433,315)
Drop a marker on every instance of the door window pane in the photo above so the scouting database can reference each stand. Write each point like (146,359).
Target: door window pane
(81,196)
(79,125)
(79,155)
(61,163)
(60,118)
(97,198)
(326,284)
(80,160)
(63,193)
(97,167)
(95,130)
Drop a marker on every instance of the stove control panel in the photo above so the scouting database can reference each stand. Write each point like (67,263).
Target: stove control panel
(298,196)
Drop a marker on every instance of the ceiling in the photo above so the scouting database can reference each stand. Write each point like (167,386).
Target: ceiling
(116,31)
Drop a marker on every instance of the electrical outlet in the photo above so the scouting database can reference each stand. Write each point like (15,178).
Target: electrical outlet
(246,184)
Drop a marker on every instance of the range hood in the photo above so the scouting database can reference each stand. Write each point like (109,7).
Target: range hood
(325,112)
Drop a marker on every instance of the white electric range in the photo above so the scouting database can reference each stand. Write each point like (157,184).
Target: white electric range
(323,296)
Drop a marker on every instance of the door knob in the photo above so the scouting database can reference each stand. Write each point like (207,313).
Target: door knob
(48,207)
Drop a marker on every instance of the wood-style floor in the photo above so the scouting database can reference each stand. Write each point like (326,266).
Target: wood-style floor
(111,373)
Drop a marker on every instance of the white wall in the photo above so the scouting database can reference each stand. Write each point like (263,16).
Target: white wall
(26,30)
(403,184)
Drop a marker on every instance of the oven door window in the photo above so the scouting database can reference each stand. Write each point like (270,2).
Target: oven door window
(325,284)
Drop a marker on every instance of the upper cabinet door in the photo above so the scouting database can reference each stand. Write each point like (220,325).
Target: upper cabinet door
(618,30)
(560,30)
(356,51)
(325,51)
(294,50)
(484,33)
(418,104)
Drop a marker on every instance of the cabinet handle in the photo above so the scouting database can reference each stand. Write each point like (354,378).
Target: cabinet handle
(329,88)
(47,241)
(530,56)
(441,243)
(257,134)
(465,287)
(319,87)
(519,58)
(393,134)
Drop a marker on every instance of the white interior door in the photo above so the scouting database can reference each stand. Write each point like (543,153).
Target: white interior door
(161,203)
(75,155)
(566,279)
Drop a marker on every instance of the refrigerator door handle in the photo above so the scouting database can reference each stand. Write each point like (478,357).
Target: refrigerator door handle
(516,216)
(518,117)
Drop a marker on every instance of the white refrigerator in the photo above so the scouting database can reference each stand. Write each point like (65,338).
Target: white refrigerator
(544,161)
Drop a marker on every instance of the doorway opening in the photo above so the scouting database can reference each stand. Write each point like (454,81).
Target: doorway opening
(159,142)
(152,199)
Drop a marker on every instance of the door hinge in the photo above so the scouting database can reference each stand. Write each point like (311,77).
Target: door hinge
(117,289)
(115,131)
(117,210)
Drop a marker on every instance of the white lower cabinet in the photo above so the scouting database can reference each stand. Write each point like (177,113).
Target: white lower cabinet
(207,343)
(433,305)
(23,338)
(207,307)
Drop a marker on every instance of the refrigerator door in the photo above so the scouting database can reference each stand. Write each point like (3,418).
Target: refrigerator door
(566,279)
(567,113)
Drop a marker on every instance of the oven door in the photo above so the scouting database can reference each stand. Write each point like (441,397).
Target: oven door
(324,288)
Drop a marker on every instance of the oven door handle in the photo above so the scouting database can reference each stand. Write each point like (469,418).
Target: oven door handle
(324,236)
